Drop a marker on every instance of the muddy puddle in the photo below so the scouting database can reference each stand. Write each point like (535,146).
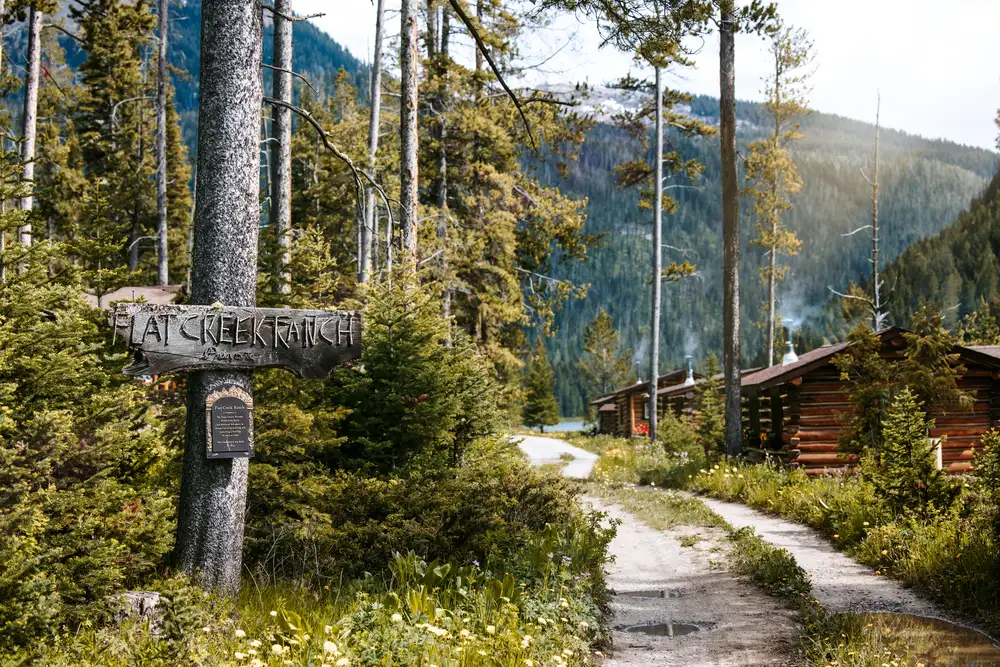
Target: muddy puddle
(661,629)
(933,642)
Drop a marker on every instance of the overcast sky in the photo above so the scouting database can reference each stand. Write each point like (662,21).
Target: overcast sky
(934,63)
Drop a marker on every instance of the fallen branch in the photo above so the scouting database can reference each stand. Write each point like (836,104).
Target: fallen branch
(293,19)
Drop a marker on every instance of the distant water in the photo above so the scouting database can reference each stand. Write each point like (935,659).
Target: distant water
(565,426)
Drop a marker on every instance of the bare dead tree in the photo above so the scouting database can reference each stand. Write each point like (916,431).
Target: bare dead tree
(873,301)
(370,219)
(408,129)
(29,117)
(162,259)
(281,154)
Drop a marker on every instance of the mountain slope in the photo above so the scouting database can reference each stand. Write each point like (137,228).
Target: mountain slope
(953,269)
(924,185)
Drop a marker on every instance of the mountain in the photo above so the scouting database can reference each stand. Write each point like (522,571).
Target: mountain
(924,184)
(953,269)
(316,56)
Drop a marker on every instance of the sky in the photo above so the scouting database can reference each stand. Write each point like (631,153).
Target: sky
(931,62)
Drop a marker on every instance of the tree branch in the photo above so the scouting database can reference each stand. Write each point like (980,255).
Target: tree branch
(293,19)
(358,174)
(857,230)
(295,74)
(456,5)
(63,31)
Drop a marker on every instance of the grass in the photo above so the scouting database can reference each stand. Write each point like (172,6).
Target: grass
(690,540)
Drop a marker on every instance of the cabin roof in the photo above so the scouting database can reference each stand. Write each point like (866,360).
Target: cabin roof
(671,377)
(608,407)
(988,355)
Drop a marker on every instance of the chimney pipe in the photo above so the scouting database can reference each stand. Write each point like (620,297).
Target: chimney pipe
(690,376)
(790,356)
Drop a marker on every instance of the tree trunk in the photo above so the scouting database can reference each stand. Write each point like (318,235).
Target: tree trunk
(442,156)
(730,230)
(30,115)
(408,130)
(281,153)
(879,316)
(772,296)
(162,259)
(654,348)
(213,491)
(368,231)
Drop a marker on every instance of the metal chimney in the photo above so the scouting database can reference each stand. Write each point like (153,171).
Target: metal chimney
(790,356)
(690,377)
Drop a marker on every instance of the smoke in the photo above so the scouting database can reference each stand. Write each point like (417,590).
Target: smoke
(640,356)
(690,343)
(794,310)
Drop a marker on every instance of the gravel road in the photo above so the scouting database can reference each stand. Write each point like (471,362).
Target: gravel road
(541,451)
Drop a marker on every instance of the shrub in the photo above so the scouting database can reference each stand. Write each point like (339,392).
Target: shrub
(83,509)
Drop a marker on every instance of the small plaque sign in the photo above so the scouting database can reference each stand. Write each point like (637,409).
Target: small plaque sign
(229,423)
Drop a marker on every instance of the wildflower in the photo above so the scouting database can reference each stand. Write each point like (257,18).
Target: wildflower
(240,634)
(329,647)
(958,555)
(327,629)
(397,618)
(529,663)
(490,630)
(836,536)
(541,620)
(884,552)
(256,663)
(567,652)
(255,643)
(342,662)
(277,649)
(583,625)
(464,633)
(206,629)
(239,656)
(864,523)
(482,652)
(273,613)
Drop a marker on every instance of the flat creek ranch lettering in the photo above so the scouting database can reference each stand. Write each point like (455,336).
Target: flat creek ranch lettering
(184,338)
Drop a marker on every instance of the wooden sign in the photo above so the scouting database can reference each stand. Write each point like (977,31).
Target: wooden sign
(229,423)
(173,338)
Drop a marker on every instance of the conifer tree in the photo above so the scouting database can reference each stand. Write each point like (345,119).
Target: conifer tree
(540,408)
(711,409)
(981,326)
(606,365)
(871,378)
(931,367)
(904,472)
(770,170)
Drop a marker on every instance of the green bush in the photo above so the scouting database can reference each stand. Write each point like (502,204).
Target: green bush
(83,509)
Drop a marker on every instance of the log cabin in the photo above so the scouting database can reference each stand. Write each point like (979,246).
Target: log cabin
(626,412)
(796,409)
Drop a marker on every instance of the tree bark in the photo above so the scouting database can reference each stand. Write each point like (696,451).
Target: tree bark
(281,152)
(408,130)
(162,259)
(213,492)
(30,115)
(730,230)
(442,155)
(368,231)
(654,348)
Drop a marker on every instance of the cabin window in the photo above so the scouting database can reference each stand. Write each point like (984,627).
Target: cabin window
(645,410)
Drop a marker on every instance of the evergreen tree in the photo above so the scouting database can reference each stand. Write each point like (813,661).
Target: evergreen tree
(981,326)
(540,407)
(931,367)
(904,473)
(712,409)
(771,172)
(606,366)
(870,377)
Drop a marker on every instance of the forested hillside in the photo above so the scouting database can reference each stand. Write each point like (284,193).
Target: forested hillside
(953,269)
(924,185)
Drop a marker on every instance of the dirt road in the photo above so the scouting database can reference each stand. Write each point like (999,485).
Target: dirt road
(541,451)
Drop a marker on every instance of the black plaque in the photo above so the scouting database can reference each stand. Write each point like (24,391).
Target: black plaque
(230,424)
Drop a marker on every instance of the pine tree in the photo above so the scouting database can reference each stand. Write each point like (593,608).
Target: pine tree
(904,472)
(540,408)
(930,367)
(981,326)
(605,365)
(712,409)
(770,170)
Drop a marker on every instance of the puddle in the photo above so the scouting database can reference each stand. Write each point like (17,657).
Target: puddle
(650,594)
(934,642)
(662,629)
